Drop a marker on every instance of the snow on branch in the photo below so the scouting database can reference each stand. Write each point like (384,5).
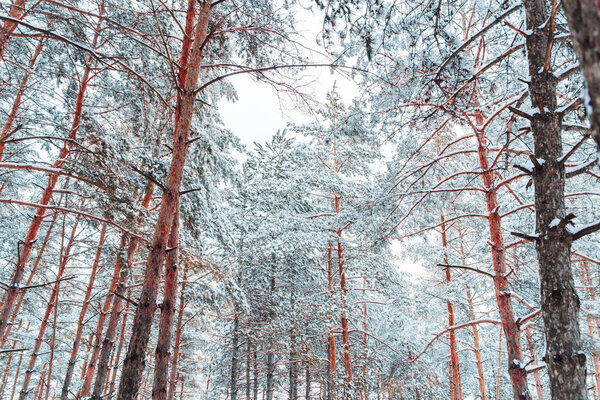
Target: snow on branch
(483,30)
(466,268)
(68,210)
(582,231)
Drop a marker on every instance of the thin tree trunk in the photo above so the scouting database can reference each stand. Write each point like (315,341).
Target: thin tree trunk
(97,336)
(233,383)
(499,369)
(167,311)
(36,264)
(12,115)
(477,348)
(255,371)
(17,373)
(559,302)
(536,375)
(82,314)
(583,17)
(52,302)
(8,363)
(34,227)
(454,366)
(248,367)
(177,344)
(307,382)
(331,354)
(52,347)
(293,367)
(191,60)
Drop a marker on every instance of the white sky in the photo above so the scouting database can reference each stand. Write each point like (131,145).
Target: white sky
(260,112)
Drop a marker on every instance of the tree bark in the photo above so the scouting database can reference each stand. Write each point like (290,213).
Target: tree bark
(34,227)
(82,314)
(583,17)
(16,11)
(233,382)
(167,311)
(177,344)
(477,348)
(453,364)
(559,302)
(52,302)
(191,60)
(96,339)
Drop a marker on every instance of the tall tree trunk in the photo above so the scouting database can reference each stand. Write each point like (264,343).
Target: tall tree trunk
(113,378)
(36,264)
(331,354)
(593,323)
(516,366)
(96,338)
(248,367)
(293,367)
(82,314)
(560,305)
(307,382)
(52,302)
(177,344)
(255,373)
(167,312)
(34,227)
(7,365)
(16,11)
(270,357)
(233,382)
(191,61)
(583,17)
(343,297)
(536,375)
(477,348)
(453,364)
(17,373)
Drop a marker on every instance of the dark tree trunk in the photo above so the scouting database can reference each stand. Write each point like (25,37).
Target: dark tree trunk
(560,305)
(583,17)
(234,354)
(191,60)
(167,312)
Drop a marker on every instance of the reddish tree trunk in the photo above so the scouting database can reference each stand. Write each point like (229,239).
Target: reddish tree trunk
(331,354)
(516,366)
(52,302)
(97,336)
(21,295)
(177,344)
(12,115)
(167,312)
(34,227)
(536,375)
(82,314)
(119,349)
(16,11)
(454,364)
(191,60)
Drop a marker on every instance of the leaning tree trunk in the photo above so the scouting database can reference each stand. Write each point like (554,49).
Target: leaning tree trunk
(560,305)
(583,17)
(191,60)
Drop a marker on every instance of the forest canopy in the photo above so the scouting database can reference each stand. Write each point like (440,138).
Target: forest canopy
(427,234)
